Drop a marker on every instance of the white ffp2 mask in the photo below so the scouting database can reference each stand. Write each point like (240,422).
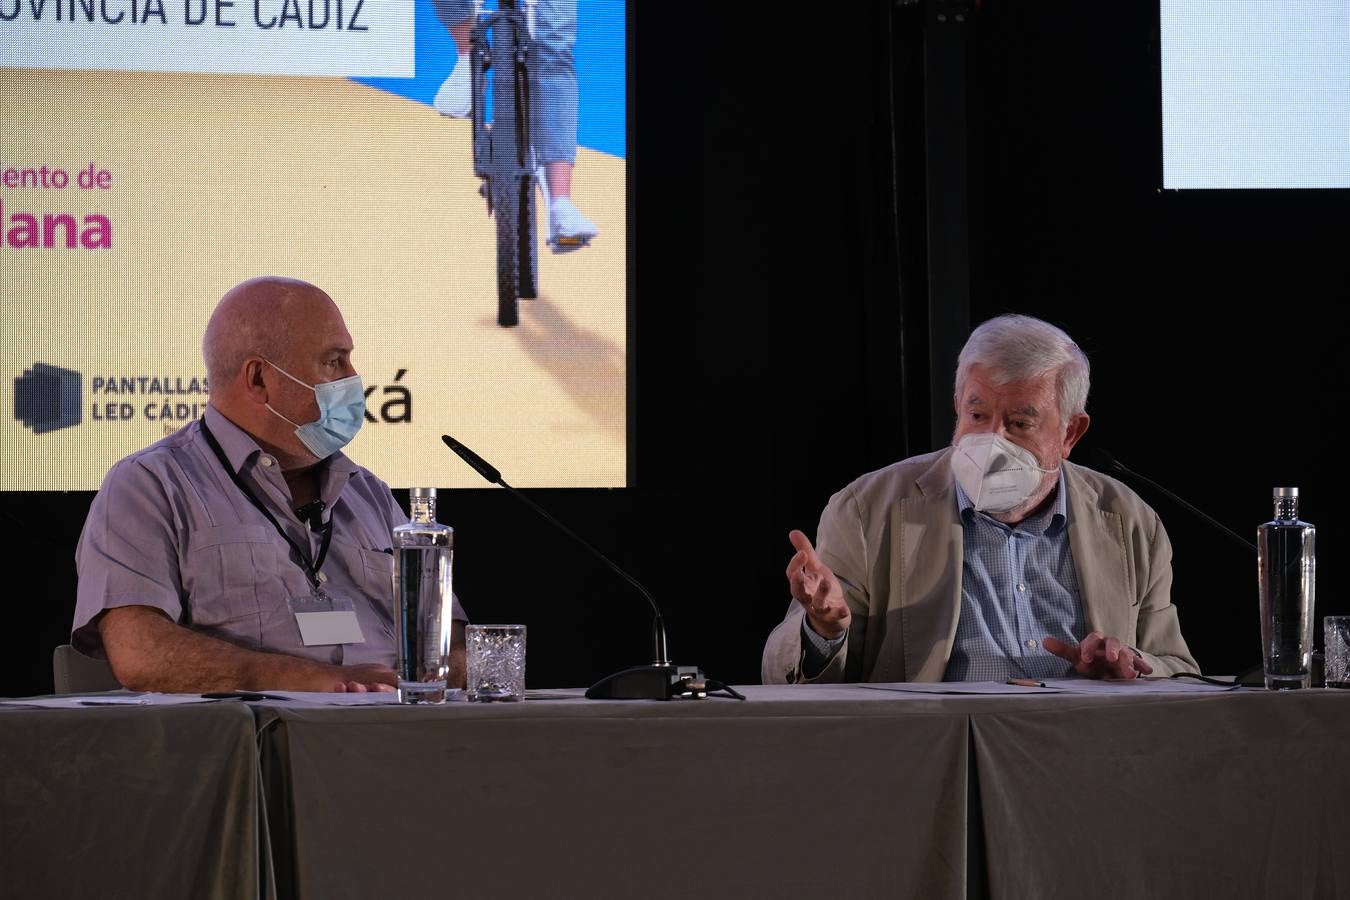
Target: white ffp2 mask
(996,474)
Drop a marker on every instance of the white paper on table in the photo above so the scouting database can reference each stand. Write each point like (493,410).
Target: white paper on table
(1136,686)
(353,698)
(555,694)
(962,687)
(1058,686)
(77,701)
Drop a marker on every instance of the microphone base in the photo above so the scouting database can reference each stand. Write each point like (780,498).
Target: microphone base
(647,683)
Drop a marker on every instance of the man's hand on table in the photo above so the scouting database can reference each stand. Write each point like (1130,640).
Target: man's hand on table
(1100,656)
(358,679)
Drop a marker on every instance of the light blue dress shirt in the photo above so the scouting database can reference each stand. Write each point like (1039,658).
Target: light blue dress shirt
(1018,584)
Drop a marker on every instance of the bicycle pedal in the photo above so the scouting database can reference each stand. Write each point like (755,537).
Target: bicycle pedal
(565,244)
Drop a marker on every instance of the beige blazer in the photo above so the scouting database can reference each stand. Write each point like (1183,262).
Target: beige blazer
(894,540)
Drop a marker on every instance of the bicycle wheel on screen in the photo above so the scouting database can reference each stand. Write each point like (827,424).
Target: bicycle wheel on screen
(503,156)
(514,208)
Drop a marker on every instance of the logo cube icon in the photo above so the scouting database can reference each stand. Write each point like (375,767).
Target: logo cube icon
(47,398)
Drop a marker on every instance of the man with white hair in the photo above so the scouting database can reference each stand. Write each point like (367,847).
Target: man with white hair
(990,559)
(203,554)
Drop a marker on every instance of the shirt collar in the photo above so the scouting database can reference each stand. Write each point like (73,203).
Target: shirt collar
(240,447)
(1049,521)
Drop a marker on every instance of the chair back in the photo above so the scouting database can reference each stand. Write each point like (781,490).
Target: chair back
(75,673)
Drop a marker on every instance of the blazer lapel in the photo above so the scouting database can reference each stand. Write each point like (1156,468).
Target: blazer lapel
(928,579)
(1097,543)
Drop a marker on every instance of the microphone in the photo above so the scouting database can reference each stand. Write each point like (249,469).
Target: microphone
(662,680)
(1108,462)
(312,514)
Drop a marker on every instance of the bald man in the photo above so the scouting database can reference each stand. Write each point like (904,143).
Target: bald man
(204,553)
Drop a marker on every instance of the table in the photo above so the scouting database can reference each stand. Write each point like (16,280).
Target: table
(125,802)
(822,791)
(802,791)
(830,792)
(1239,795)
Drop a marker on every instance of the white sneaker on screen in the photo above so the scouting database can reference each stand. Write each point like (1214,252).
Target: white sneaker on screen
(568,229)
(455,98)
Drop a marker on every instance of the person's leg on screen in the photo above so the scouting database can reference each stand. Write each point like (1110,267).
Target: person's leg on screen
(554,121)
(554,107)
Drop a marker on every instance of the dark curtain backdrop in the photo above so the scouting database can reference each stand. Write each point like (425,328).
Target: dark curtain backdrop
(780,315)
(1208,315)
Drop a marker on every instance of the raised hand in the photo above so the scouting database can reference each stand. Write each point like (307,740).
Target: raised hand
(814,586)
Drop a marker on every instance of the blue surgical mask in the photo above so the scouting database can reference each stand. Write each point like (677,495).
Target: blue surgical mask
(342,410)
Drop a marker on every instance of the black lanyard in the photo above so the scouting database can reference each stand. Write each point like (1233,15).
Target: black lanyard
(311,570)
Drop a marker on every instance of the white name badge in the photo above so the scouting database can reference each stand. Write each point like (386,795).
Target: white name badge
(319,629)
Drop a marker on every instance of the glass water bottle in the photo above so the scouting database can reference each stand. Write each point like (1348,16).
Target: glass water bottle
(423,557)
(1287,570)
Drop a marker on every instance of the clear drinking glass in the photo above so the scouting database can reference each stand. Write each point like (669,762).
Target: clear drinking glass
(1336,663)
(496,662)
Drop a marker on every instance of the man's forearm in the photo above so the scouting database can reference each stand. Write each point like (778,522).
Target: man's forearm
(148,652)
